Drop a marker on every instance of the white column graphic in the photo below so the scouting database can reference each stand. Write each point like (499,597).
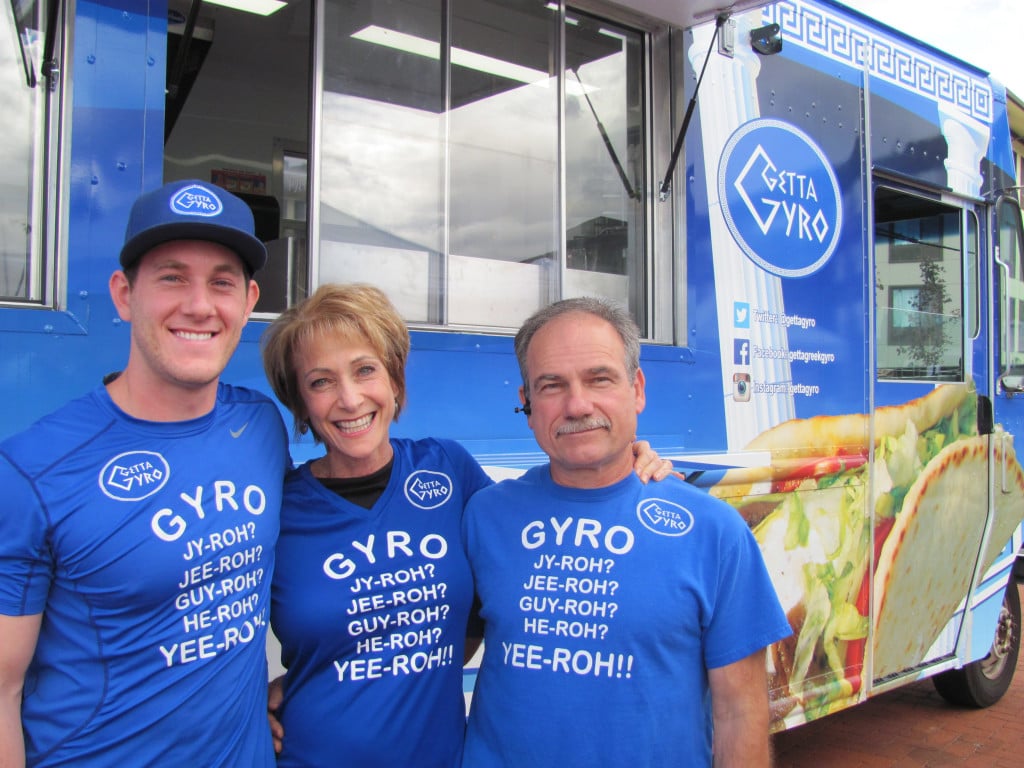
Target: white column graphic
(727,99)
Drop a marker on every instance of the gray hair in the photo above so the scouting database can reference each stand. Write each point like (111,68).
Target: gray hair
(612,313)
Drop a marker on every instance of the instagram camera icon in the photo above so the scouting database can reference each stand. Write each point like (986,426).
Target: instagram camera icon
(741,387)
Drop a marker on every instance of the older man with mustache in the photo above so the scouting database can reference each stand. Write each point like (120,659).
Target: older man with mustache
(625,624)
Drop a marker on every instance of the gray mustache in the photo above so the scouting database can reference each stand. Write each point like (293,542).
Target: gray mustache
(582,425)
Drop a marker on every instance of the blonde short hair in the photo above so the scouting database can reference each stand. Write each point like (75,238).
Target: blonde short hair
(342,312)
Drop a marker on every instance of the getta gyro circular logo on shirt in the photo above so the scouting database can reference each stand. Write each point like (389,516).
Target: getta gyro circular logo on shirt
(780,198)
(666,518)
(134,475)
(428,490)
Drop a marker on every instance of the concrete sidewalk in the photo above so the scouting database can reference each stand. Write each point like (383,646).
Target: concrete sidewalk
(912,726)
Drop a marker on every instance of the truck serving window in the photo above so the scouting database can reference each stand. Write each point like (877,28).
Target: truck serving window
(486,162)
(476,159)
(27,97)
(236,114)
(919,292)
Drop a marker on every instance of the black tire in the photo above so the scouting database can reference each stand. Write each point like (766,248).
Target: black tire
(982,683)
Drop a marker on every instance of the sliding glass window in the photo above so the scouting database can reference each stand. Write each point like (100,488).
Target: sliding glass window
(381,141)
(920,266)
(605,136)
(504,233)
(26,102)
(479,159)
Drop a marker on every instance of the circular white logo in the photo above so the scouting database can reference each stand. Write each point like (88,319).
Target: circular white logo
(428,490)
(195,200)
(780,198)
(666,518)
(134,475)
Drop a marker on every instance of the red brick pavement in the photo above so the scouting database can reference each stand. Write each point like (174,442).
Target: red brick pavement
(912,726)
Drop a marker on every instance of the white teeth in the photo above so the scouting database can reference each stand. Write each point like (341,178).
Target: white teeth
(355,425)
(188,336)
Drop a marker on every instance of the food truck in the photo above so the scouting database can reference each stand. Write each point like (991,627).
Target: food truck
(809,214)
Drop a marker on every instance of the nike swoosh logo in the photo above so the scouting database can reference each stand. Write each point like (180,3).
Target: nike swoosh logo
(238,432)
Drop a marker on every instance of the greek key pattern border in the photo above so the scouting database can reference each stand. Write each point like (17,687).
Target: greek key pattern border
(892,60)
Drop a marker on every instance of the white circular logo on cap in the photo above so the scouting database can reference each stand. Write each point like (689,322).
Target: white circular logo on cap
(196,200)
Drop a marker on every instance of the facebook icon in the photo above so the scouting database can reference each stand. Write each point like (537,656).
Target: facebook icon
(741,351)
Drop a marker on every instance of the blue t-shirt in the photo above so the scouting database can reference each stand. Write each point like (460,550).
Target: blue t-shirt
(370,606)
(148,547)
(603,610)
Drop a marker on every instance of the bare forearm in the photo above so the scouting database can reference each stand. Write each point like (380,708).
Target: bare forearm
(739,695)
(12,741)
(747,746)
(19,635)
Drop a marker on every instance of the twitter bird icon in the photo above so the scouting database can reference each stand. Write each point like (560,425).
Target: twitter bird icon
(741,314)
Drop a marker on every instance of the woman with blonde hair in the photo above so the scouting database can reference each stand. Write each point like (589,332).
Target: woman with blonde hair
(372,592)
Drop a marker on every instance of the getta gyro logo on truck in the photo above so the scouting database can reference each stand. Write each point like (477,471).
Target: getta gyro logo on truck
(780,198)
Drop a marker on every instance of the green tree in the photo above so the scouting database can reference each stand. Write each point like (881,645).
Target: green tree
(925,338)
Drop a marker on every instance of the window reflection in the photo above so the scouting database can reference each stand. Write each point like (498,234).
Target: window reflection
(973,279)
(920,267)
(20,107)
(1012,289)
(604,146)
(381,204)
(504,225)
(440,175)
(249,139)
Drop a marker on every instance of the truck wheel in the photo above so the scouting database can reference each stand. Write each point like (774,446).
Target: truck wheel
(982,683)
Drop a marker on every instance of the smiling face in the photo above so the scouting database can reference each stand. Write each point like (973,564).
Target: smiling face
(187,305)
(583,406)
(349,400)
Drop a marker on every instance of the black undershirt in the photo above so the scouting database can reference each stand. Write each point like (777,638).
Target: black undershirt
(363,491)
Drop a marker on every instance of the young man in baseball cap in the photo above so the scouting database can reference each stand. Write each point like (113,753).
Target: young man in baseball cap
(138,522)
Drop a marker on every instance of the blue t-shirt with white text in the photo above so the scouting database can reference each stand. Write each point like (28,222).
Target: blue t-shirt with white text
(148,547)
(603,610)
(371,608)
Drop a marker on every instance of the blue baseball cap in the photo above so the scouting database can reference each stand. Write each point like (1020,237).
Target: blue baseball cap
(192,210)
